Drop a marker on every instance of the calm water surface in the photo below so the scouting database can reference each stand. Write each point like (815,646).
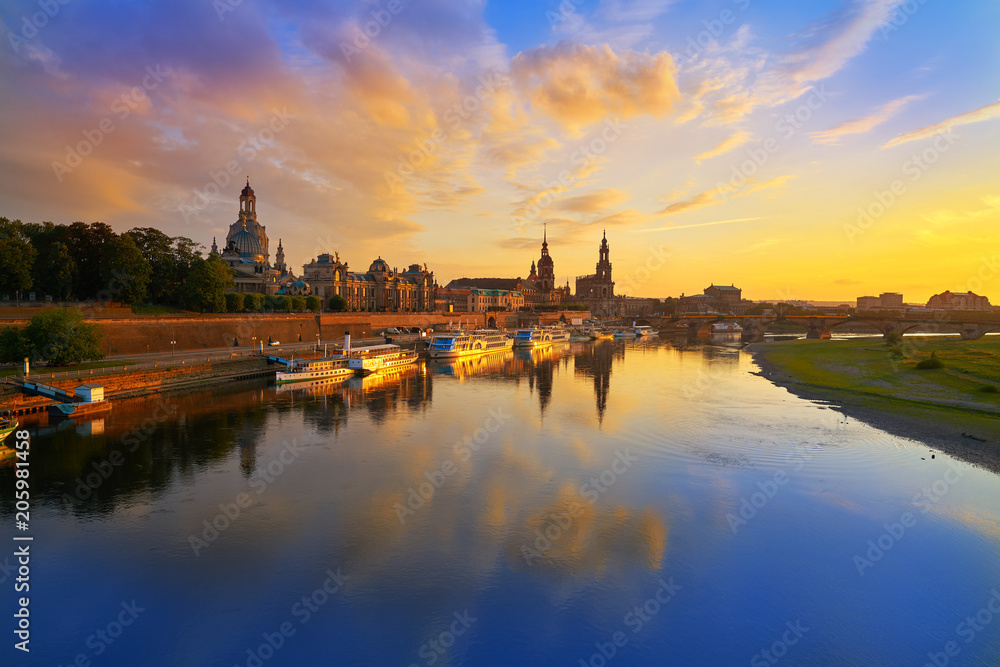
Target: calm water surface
(647,503)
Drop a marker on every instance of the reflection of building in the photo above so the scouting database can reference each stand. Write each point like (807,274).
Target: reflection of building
(595,361)
(959,301)
(379,288)
(537,289)
(246,252)
(721,299)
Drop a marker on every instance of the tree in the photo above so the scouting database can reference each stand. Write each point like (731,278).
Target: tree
(337,304)
(253,302)
(16,257)
(86,244)
(279,302)
(171,259)
(124,270)
(313,303)
(297,302)
(208,283)
(234,302)
(13,345)
(59,271)
(61,337)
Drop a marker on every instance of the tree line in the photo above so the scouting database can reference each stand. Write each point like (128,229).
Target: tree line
(87,262)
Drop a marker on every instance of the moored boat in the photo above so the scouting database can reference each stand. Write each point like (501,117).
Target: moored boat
(375,358)
(307,370)
(540,336)
(7,426)
(726,327)
(460,345)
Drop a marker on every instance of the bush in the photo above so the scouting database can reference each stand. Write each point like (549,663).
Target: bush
(930,364)
(297,302)
(61,338)
(13,346)
(280,302)
(313,303)
(989,389)
(893,339)
(234,302)
(253,302)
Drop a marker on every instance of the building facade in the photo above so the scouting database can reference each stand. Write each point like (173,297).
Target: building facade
(959,301)
(247,254)
(380,288)
(716,299)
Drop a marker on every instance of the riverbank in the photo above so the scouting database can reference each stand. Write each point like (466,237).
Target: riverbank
(950,409)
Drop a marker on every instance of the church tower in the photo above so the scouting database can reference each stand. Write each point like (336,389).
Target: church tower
(546,269)
(279,260)
(246,235)
(603,275)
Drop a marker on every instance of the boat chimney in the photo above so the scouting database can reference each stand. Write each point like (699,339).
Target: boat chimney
(347,342)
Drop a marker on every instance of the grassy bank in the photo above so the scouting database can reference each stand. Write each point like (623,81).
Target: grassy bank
(883,386)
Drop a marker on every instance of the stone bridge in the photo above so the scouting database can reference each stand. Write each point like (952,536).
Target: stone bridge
(821,326)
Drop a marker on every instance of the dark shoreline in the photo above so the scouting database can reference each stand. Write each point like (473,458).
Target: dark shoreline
(982,449)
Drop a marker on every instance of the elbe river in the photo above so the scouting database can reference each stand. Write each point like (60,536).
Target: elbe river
(647,502)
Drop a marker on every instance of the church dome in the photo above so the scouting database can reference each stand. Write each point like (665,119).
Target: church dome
(379,265)
(247,191)
(247,244)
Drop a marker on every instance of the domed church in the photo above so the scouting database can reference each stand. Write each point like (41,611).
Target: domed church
(247,254)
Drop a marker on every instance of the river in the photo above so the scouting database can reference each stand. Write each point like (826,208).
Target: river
(645,502)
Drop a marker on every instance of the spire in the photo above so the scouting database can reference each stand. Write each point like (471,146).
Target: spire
(248,181)
(545,240)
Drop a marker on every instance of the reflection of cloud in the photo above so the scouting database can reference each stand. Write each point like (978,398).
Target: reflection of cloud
(977,116)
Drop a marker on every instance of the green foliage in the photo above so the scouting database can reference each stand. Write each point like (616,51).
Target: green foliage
(893,339)
(125,271)
(337,303)
(989,389)
(62,338)
(253,302)
(170,258)
(279,302)
(86,243)
(234,302)
(297,302)
(208,283)
(313,303)
(931,363)
(13,345)
(59,271)
(17,257)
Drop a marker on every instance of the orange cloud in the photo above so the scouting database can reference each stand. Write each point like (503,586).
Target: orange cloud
(977,116)
(578,85)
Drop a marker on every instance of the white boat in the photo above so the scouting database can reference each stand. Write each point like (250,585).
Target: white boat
(459,345)
(333,368)
(540,337)
(642,330)
(598,333)
(726,327)
(623,333)
(374,358)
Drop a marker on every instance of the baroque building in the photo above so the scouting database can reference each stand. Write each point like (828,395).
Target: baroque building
(377,289)
(247,253)
(539,288)
(597,291)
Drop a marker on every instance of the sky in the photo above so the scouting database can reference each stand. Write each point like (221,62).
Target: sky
(799,150)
